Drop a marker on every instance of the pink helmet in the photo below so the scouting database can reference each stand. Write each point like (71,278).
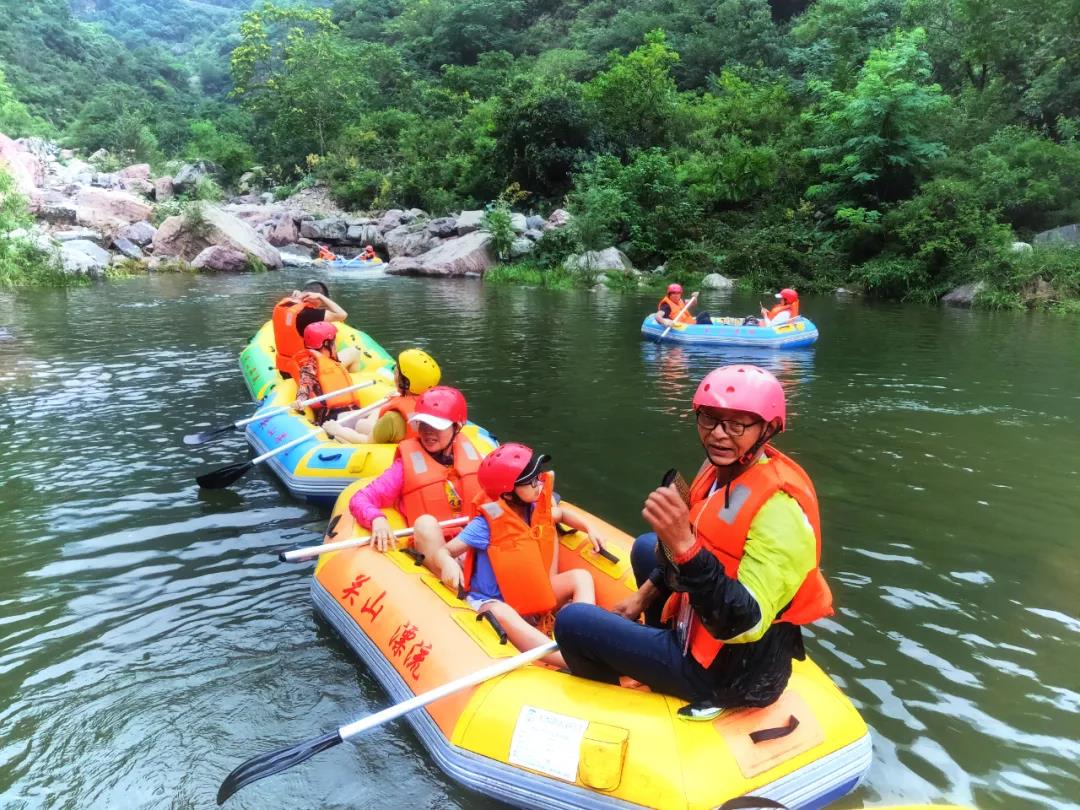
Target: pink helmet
(440,407)
(674,288)
(743,388)
(316,334)
(506,466)
(788,295)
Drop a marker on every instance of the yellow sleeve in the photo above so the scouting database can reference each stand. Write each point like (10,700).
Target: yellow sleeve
(390,429)
(780,551)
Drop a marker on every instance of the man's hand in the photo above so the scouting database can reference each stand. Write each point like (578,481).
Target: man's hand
(669,517)
(631,607)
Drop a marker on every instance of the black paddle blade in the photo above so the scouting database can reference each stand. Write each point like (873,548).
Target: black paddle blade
(219,479)
(275,762)
(207,435)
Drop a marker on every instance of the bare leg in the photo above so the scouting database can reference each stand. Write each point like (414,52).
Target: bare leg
(351,359)
(428,539)
(520,633)
(575,585)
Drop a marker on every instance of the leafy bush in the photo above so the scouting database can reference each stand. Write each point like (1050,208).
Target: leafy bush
(21,263)
(497,223)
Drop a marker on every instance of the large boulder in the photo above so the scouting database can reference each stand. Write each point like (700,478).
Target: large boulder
(186,236)
(74,171)
(139,171)
(284,231)
(127,248)
(191,173)
(607,259)
(83,257)
(111,210)
(519,223)
(138,185)
(535,223)
(964,295)
(559,218)
(334,229)
(443,227)
(1066,234)
(469,221)
(520,247)
(164,189)
(391,219)
(414,214)
(139,233)
(25,168)
(468,256)
(405,240)
(221,258)
(58,212)
(365,234)
(71,234)
(715,281)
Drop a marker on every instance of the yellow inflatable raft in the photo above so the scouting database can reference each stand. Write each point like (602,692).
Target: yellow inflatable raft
(542,738)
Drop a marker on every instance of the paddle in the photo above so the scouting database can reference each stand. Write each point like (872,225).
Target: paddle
(277,761)
(675,320)
(210,435)
(311,552)
(219,479)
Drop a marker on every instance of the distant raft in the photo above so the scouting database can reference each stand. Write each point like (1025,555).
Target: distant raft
(792,334)
(348,264)
(541,738)
(258,359)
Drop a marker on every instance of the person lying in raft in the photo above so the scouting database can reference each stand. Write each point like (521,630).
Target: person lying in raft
(672,309)
(416,372)
(433,478)
(326,255)
(726,583)
(510,550)
(294,313)
(320,372)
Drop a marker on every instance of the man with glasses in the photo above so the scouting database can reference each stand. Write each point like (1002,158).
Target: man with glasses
(729,573)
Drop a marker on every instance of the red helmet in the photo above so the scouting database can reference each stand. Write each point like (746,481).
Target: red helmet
(788,295)
(507,466)
(316,334)
(440,407)
(674,288)
(743,388)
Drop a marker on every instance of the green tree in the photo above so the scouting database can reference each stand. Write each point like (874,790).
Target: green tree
(635,97)
(874,143)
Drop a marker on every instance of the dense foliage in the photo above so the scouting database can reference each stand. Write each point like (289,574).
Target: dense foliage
(900,145)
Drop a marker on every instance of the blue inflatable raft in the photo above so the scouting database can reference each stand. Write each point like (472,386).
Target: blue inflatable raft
(732,332)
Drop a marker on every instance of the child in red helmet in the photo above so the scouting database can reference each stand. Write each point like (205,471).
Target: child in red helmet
(510,550)
(321,371)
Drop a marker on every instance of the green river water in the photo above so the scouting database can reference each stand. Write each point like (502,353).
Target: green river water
(150,640)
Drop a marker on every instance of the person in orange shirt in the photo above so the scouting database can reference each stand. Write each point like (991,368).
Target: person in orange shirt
(786,310)
(672,309)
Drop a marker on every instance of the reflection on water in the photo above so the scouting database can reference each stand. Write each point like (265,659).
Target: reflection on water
(150,640)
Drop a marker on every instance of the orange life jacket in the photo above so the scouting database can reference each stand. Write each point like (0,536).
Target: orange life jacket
(404,404)
(793,308)
(520,554)
(676,315)
(425,490)
(325,254)
(288,342)
(333,377)
(723,532)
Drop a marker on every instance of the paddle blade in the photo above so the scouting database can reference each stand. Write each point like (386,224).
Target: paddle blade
(207,435)
(275,762)
(219,479)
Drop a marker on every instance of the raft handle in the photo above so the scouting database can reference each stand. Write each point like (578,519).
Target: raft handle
(495,625)
(331,457)
(417,557)
(331,530)
(751,803)
(767,734)
(607,555)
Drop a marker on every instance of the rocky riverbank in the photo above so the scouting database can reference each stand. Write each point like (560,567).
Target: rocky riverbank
(90,219)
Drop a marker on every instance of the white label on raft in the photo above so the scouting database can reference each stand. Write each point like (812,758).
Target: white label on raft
(547,742)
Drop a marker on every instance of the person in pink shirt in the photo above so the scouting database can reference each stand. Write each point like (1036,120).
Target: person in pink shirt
(433,478)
